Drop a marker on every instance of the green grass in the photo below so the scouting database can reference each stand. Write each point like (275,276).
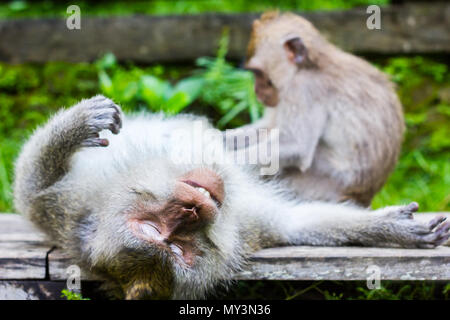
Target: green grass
(21,8)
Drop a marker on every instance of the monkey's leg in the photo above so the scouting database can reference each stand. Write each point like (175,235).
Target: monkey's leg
(44,160)
(324,224)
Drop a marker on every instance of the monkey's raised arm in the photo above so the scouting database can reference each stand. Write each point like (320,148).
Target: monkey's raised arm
(45,157)
(298,137)
(322,224)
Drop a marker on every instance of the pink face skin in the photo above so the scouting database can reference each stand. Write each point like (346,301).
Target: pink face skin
(173,225)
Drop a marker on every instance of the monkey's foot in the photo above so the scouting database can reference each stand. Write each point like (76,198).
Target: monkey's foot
(414,233)
(98,113)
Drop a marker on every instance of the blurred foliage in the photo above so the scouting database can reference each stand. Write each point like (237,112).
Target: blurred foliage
(215,83)
(137,88)
(229,90)
(22,8)
(423,172)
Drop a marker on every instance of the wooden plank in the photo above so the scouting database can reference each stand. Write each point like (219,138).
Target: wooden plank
(409,28)
(14,227)
(22,249)
(31,290)
(323,263)
(347,263)
(22,260)
(58,262)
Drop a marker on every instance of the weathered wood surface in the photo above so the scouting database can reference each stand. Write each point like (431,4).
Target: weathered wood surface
(409,28)
(321,263)
(22,249)
(24,255)
(31,290)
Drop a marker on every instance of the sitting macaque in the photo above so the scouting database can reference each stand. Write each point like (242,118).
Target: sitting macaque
(153,225)
(339,119)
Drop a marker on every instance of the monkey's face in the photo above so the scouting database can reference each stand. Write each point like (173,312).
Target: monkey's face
(167,220)
(277,51)
(264,88)
(175,224)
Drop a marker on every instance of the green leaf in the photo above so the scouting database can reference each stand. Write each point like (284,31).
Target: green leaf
(153,91)
(130,91)
(106,84)
(176,103)
(231,114)
(108,61)
(18,5)
(70,295)
(444,109)
(191,86)
(157,86)
(415,118)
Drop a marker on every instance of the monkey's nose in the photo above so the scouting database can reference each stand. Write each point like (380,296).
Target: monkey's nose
(191,212)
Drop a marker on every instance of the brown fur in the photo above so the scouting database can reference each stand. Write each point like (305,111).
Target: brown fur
(341,123)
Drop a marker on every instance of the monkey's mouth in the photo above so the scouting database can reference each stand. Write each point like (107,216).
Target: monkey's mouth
(206,193)
(207,182)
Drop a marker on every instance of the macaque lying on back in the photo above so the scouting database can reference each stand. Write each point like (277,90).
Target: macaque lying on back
(135,210)
(340,121)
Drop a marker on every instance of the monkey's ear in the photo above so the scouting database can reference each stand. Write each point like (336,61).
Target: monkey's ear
(296,51)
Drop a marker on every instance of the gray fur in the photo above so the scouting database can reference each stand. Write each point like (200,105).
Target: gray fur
(79,194)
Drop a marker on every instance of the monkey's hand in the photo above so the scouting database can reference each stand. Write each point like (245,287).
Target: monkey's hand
(45,157)
(403,229)
(94,115)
